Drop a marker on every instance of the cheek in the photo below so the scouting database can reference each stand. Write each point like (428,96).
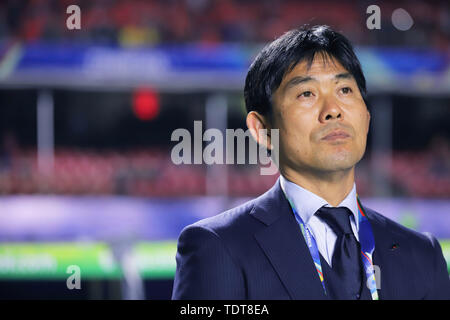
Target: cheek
(299,144)
(294,134)
(365,121)
(296,127)
(361,130)
(360,122)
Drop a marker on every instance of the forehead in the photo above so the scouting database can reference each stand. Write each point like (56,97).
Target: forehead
(321,65)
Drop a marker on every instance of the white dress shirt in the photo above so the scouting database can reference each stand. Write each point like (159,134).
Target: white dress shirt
(307,203)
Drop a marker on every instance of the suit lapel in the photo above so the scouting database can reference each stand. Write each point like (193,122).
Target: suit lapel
(285,247)
(389,256)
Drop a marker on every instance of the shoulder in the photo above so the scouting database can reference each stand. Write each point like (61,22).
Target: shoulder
(208,263)
(237,225)
(421,252)
(417,239)
(245,217)
(225,224)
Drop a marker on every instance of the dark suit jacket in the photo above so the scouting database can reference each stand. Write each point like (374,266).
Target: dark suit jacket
(257,251)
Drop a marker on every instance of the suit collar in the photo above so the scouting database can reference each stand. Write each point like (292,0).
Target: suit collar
(266,206)
(285,247)
(308,203)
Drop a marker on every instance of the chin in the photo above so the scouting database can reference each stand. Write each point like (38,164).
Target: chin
(338,163)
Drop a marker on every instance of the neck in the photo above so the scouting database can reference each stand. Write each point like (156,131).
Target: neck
(331,186)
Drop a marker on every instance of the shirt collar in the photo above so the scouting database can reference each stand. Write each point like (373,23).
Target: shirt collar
(307,203)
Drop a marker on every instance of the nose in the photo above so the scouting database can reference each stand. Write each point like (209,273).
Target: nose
(330,111)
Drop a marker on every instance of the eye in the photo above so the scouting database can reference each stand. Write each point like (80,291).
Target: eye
(346,90)
(305,94)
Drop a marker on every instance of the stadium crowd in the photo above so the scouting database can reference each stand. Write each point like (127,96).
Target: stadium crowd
(150,172)
(151,22)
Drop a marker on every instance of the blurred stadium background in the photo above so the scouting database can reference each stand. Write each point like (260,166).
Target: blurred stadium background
(86,118)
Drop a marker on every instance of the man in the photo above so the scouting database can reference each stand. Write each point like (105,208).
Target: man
(308,237)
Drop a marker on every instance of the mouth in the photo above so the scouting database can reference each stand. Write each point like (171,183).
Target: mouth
(335,135)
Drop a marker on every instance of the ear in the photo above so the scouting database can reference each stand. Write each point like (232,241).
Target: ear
(256,123)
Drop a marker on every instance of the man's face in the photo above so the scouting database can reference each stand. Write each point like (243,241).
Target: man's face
(312,103)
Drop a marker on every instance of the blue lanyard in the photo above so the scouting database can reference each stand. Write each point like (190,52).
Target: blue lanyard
(367,247)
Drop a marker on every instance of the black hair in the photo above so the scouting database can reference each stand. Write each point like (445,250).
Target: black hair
(283,54)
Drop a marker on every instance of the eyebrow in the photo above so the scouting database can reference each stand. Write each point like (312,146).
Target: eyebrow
(344,75)
(301,79)
(296,81)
